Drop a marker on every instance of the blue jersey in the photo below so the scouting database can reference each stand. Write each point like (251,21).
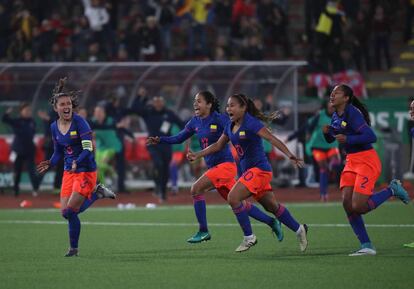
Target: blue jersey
(72,145)
(412,132)
(359,135)
(248,144)
(208,130)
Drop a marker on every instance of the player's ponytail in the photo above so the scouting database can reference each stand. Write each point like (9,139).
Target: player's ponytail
(355,102)
(58,93)
(211,98)
(253,110)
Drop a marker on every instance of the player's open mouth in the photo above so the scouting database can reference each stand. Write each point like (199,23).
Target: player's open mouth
(66,112)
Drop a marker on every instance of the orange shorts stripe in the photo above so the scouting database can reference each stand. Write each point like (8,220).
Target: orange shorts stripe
(321,155)
(223,177)
(83,183)
(361,171)
(257,182)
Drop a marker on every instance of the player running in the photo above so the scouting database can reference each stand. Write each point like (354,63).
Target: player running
(72,138)
(208,125)
(350,126)
(245,130)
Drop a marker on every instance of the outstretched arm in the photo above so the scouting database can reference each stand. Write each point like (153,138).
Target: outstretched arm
(267,135)
(213,148)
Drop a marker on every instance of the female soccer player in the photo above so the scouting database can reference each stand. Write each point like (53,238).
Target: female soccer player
(208,125)
(350,126)
(325,154)
(245,130)
(411,245)
(72,138)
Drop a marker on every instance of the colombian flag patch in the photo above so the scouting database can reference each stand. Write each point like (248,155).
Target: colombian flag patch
(213,127)
(343,124)
(73,134)
(242,134)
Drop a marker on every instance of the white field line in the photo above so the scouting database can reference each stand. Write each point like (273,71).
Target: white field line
(186,207)
(151,224)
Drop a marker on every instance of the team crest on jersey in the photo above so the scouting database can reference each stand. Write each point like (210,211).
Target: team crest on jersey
(343,124)
(242,134)
(213,127)
(73,134)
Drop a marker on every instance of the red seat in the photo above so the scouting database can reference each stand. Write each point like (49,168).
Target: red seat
(141,151)
(129,150)
(40,153)
(4,152)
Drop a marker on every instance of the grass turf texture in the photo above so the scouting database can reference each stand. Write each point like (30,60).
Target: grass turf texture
(145,248)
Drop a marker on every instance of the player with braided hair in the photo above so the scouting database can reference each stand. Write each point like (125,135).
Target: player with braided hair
(72,138)
(208,124)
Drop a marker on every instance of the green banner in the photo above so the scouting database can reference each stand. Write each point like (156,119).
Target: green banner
(391,112)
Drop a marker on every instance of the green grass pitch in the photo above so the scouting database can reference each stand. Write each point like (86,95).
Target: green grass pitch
(146,248)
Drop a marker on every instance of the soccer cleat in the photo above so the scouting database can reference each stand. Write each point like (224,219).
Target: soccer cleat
(277,229)
(409,245)
(104,192)
(366,250)
(302,237)
(199,237)
(246,244)
(72,252)
(398,191)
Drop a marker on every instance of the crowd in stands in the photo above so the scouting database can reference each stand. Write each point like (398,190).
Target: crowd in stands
(338,35)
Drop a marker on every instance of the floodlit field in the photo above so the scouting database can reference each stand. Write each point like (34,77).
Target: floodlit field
(146,248)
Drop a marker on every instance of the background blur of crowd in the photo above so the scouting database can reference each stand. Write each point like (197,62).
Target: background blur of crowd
(338,35)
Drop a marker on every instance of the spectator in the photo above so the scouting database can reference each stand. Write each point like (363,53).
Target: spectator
(24,129)
(159,121)
(381,30)
(107,143)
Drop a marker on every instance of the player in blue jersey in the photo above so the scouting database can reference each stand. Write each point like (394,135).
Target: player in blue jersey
(245,130)
(72,138)
(350,126)
(208,125)
(411,245)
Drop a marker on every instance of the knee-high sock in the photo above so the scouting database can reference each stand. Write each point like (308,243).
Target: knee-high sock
(174,174)
(323,182)
(199,203)
(74,226)
(258,214)
(286,218)
(357,224)
(243,219)
(379,198)
(88,202)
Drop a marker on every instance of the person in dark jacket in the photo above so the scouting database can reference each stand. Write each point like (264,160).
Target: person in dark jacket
(158,120)
(24,129)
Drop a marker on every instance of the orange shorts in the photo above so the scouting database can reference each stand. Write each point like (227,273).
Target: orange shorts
(223,177)
(257,182)
(322,155)
(361,171)
(83,183)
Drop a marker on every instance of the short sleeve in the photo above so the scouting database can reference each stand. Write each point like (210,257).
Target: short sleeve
(84,130)
(254,125)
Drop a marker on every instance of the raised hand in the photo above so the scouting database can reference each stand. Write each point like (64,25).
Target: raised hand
(43,166)
(153,140)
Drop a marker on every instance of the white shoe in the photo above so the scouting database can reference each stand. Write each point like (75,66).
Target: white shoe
(302,237)
(246,244)
(104,192)
(364,252)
